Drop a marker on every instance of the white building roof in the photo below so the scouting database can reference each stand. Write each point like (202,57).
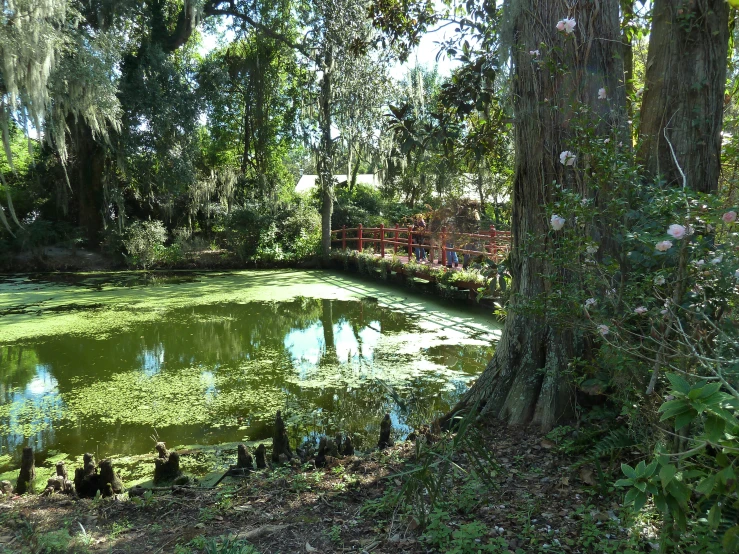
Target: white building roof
(308,182)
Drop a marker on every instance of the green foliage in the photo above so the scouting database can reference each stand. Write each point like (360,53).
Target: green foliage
(144,243)
(469,538)
(645,277)
(217,545)
(427,481)
(362,204)
(291,231)
(697,485)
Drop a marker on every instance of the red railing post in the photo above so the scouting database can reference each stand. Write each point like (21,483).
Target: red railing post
(382,240)
(431,246)
(397,237)
(492,238)
(359,236)
(410,243)
(442,260)
(343,237)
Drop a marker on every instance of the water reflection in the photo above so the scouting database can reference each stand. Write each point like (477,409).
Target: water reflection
(225,368)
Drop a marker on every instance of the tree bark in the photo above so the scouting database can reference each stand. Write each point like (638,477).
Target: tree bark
(684,92)
(87,179)
(524,382)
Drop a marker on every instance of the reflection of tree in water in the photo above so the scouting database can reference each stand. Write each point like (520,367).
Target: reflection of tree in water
(29,402)
(17,367)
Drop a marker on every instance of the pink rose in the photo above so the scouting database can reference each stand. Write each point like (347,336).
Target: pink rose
(567,158)
(557,222)
(602,94)
(663,246)
(729,217)
(640,310)
(676,231)
(603,329)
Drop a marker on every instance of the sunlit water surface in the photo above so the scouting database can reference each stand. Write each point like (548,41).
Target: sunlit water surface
(104,363)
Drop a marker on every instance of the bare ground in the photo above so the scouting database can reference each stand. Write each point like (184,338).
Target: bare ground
(538,503)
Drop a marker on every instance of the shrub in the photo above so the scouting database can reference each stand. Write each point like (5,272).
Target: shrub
(143,242)
(291,231)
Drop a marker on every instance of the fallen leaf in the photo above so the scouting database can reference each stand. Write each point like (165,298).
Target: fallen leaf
(548,444)
(586,476)
(309,548)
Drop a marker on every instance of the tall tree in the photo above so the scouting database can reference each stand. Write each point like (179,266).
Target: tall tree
(251,88)
(53,71)
(555,70)
(683,100)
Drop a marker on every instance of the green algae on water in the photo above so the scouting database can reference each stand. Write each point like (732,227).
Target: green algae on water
(100,364)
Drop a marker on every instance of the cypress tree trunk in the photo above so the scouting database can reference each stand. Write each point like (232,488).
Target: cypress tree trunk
(87,177)
(684,91)
(524,382)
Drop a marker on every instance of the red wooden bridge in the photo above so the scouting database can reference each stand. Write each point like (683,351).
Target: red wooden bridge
(401,241)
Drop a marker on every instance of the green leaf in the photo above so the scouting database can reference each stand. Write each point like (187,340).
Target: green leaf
(730,541)
(706,485)
(714,427)
(628,471)
(641,485)
(679,384)
(639,500)
(651,468)
(707,390)
(679,492)
(726,474)
(673,408)
(660,503)
(685,419)
(714,516)
(623,483)
(666,474)
(630,496)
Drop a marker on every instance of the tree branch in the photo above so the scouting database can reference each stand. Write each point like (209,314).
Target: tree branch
(215,7)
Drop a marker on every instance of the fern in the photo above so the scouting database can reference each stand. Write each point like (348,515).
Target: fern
(611,445)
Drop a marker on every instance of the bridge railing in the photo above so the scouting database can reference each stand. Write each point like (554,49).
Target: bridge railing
(491,244)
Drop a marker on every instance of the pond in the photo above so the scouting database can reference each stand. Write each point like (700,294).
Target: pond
(103,363)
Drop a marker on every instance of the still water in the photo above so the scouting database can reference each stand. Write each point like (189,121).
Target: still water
(103,363)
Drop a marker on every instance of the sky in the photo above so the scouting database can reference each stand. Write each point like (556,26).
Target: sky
(424,54)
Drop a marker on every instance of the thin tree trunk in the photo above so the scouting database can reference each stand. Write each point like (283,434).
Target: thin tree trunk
(627,19)
(349,165)
(684,91)
(480,186)
(525,381)
(325,158)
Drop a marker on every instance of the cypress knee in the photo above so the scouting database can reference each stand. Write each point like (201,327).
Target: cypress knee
(6,487)
(261,455)
(109,482)
(27,473)
(321,456)
(385,431)
(348,447)
(86,478)
(280,442)
(244,459)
